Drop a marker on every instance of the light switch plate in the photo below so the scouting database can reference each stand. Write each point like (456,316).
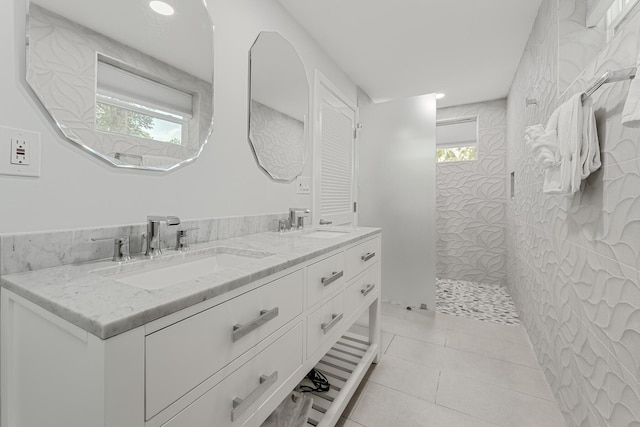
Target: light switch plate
(19,152)
(303,185)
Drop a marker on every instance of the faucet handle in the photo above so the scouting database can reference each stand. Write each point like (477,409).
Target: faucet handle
(182,243)
(121,250)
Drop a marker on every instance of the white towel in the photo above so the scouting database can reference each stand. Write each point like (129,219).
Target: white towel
(631,110)
(542,145)
(567,149)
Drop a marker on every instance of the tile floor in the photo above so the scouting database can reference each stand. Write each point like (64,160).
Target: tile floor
(439,370)
(475,300)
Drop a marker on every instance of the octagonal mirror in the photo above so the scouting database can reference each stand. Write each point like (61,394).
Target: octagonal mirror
(279,107)
(129,83)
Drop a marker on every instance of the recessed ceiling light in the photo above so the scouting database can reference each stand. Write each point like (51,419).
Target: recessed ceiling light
(439,95)
(161,7)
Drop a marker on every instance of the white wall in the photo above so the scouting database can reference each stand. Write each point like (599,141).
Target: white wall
(77,190)
(397,192)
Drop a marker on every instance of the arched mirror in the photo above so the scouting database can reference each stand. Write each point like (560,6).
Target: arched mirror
(131,81)
(279,107)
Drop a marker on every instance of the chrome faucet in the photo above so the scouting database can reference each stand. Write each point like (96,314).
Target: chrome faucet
(120,247)
(297,216)
(153,233)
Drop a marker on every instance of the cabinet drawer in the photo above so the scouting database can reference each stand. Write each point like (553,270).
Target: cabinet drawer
(322,322)
(274,365)
(324,278)
(363,289)
(181,356)
(362,256)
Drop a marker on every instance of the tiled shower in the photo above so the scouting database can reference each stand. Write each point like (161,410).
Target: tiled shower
(573,262)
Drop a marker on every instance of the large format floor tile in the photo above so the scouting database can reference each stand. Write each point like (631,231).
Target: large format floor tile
(380,406)
(474,365)
(444,370)
(497,405)
(518,353)
(407,377)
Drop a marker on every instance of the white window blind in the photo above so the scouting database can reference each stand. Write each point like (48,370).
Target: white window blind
(128,86)
(336,174)
(457,132)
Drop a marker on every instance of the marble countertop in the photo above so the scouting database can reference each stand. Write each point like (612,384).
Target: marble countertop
(88,295)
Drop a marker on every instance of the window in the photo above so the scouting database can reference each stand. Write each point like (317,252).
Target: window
(456,139)
(617,15)
(610,14)
(130,104)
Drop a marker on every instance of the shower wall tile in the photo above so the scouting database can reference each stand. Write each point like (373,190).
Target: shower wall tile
(470,202)
(573,262)
(578,43)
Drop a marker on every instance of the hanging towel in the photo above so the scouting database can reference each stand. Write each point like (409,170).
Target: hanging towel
(542,145)
(631,111)
(567,149)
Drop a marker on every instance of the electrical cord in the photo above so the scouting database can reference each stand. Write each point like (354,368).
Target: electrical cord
(320,382)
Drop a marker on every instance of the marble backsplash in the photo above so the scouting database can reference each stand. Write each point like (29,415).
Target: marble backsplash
(33,251)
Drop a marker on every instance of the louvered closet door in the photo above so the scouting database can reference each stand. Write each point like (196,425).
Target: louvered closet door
(335,177)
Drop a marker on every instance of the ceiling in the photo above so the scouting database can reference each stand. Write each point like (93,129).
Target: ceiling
(133,23)
(467,49)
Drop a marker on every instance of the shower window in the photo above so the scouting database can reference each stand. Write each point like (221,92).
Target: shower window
(457,139)
(618,14)
(610,15)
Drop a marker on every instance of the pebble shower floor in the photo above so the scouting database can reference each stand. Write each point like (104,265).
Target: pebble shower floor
(492,303)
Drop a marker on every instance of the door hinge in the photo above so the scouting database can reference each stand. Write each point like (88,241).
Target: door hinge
(355,207)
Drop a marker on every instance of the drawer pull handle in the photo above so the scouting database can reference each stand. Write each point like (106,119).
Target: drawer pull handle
(335,318)
(368,289)
(368,256)
(241,405)
(241,330)
(334,276)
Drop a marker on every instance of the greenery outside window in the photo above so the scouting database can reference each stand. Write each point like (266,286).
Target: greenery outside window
(456,139)
(129,103)
(116,116)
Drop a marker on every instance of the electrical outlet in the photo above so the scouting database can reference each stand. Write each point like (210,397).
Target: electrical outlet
(303,185)
(19,152)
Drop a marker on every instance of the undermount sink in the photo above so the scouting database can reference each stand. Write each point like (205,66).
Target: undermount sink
(171,270)
(324,234)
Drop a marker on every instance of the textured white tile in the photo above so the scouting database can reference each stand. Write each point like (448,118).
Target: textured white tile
(380,406)
(470,202)
(495,404)
(575,297)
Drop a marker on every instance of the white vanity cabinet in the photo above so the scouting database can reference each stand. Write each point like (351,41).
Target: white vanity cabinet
(226,361)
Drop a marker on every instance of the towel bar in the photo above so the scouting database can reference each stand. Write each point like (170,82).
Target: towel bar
(609,77)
